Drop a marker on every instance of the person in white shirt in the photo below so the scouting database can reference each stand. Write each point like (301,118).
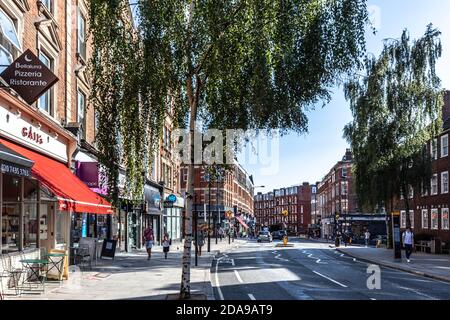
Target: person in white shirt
(408,243)
(367,237)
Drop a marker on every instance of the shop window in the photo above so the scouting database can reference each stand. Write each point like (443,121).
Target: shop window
(30,226)
(102,226)
(62,228)
(434,219)
(444,222)
(45,101)
(11,188)
(30,190)
(10,227)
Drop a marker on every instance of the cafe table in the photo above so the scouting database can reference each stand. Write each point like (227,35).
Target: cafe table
(35,266)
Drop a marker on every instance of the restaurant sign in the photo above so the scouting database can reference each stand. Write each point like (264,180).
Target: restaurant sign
(29,77)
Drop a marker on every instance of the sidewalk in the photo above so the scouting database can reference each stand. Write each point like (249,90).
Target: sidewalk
(132,276)
(428,265)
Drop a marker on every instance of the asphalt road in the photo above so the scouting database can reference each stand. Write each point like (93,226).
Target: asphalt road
(312,271)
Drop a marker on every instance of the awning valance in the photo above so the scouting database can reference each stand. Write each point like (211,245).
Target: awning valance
(72,194)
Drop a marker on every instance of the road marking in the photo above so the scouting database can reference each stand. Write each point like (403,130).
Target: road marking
(334,281)
(252,297)
(342,255)
(238,276)
(373,299)
(217,280)
(232,262)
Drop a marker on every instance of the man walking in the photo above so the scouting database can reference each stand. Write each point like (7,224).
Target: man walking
(408,243)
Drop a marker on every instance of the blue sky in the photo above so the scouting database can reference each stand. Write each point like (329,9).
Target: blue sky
(307,158)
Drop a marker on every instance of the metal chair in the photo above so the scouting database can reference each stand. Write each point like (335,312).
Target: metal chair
(83,255)
(12,275)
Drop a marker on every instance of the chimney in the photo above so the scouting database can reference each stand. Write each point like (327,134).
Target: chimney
(446,108)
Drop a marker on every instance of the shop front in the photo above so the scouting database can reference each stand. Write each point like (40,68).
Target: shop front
(153,215)
(38,191)
(173,216)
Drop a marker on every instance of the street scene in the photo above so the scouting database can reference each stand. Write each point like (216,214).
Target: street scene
(241,150)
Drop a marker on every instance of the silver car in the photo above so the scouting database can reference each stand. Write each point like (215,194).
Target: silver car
(264,236)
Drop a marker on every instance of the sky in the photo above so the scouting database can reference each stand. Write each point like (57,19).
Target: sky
(308,158)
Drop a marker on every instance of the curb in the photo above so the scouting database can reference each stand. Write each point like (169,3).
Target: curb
(396,267)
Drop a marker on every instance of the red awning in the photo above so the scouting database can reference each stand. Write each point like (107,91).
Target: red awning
(72,194)
(242,222)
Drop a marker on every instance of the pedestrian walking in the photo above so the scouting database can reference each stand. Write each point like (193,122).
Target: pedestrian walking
(220,233)
(408,243)
(166,245)
(148,240)
(200,241)
(367,238)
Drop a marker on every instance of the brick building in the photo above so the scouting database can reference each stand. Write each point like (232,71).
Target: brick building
(43,142)
(429,209)
(336,195)
(296,200)
(233,191)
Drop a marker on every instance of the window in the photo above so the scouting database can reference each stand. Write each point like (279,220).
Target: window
(433,145)
(48,4)
(444,182)
(434,185)
(344,172)
(81,35)
(44,102)
(434,219)
(444,146)
(444,222)
(344,188)
(411,218)
(424,219)
(81,112)
(9,30)
(5,59)
(402,219)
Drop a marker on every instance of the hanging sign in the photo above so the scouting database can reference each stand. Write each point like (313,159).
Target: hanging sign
(29,77)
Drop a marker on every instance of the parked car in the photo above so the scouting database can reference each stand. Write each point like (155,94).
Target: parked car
(279,235)
(264,236)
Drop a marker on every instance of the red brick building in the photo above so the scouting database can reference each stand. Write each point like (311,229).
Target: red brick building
(429,210)
(336,195)
(296,200)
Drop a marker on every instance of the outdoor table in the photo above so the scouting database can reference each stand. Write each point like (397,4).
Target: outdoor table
(35,266)
(56,261)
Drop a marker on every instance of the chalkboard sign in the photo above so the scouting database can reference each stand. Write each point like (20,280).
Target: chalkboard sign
(109,248)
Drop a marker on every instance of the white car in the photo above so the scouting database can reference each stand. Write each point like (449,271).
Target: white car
(264,236)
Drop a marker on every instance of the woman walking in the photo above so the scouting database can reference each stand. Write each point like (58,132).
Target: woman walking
(148,239)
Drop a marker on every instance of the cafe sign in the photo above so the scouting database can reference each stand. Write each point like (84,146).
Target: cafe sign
(29,77)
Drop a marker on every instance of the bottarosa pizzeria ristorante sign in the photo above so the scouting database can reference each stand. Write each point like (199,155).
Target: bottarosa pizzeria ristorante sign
(29,77)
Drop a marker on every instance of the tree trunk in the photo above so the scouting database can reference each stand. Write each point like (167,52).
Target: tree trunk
(185,289)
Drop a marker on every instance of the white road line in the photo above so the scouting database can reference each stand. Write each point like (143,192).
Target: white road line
(342,255)
(217,280)
(252,297)
(373,299)
(310,255)
(334,281)
(238,276)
